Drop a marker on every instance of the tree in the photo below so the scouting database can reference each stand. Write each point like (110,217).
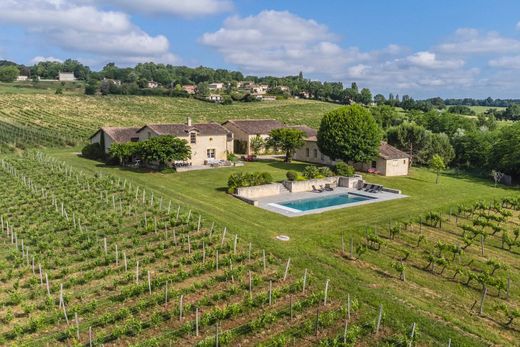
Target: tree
(91,87)
(385,116)
(123,151)
(408,137)
(349,133)
(506,151)
(379,99)
(286,139)
(256,144)
(365,96)
(163,149)
(436,144)
(437,164)
(8,73)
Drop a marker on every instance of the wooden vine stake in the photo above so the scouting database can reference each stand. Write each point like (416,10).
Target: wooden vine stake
(348,306)
(197,321)
(264,260)
(304,281)
(250,285)
(90,336)
(149,283)
(326,293)
(216,260)
(379,317)
(345,330)
(223,236)
(235,244)
(125,261)
(412,335)
(484,292)
(287,269)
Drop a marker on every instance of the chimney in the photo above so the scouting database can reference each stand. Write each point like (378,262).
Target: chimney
(188,121)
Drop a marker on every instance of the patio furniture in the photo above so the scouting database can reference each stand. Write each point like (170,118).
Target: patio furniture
(369,187)
(363,187)
(315,190)
(328,187)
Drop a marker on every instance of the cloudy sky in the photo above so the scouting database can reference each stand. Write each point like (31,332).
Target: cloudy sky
(463,48)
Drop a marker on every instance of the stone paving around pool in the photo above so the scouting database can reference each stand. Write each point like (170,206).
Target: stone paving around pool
(273,203)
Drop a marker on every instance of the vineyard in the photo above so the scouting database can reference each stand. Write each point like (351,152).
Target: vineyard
(95,260)
(42,120)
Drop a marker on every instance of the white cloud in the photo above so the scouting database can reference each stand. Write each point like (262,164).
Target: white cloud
(39,59)
(429,60)
(75,25)
(186,8)
(280,42)
(472,41)
(508,62)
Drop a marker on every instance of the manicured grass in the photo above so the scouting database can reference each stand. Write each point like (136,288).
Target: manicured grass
(315,240)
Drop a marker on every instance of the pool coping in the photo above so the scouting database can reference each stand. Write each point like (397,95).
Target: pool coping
(272,203)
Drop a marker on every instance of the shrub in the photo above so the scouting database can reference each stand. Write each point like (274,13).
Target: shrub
(93,151)
(248,179)
(291,175)
(311,172)
(343,169)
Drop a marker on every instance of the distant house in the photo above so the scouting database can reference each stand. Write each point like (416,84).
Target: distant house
(22,78)
(214,97)
(245,84)
(110,80)
(152,84)
(268,98)
(106,136)
(216,86)
(284,89)
(66,77)
(260,89)
(390,162)
(244,130)
(305,95)
(208,141)
(189,88)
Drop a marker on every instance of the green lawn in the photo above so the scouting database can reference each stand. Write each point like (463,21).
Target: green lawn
(315,239)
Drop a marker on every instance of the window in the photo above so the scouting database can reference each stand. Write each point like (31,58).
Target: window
(193,137)
(307,152)
(315,153)
(404,161)
(374,164)
(211,153)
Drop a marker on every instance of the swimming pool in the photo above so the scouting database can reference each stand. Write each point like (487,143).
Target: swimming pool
(323,202)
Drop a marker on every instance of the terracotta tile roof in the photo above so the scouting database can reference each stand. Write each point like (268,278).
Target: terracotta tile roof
(387,151)
(183,129)
(309,132)
(118,134)
(256,126)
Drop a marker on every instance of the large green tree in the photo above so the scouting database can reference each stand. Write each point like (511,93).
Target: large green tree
(349,133)
(8,73)
(163,149)
(436,144)
(506,152)
(124,151)
(408,137)
(286,139)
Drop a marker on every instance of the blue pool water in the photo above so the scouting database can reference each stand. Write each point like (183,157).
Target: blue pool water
(325,201)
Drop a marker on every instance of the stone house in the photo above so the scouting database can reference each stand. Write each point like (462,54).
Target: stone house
(244,130)
(208,141)
(106,136)
(390,161)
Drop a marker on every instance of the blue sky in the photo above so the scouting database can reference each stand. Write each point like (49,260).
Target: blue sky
(422,48)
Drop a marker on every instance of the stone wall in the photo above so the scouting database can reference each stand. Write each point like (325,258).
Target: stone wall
(260,191)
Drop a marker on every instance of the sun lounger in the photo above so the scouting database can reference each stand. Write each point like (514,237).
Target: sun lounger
(328,187)
(363,187)
(315,190)
(369,188)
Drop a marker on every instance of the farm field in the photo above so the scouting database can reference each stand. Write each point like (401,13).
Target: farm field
(435,297)
(57,120)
